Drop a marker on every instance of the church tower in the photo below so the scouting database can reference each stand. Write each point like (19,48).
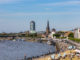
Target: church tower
(47,29)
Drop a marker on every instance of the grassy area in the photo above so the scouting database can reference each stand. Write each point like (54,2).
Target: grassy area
(75,39)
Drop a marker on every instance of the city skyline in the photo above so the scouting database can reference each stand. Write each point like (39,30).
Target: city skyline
(15,15)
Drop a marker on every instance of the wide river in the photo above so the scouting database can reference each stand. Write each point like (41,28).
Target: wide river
(15,50)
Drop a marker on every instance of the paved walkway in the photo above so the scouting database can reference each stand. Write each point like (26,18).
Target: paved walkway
(67,58)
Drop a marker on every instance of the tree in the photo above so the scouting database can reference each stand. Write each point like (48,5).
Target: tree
(33,35)
(61,32)
(71,35)
(57,35)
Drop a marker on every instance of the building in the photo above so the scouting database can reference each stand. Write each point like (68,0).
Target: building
(47,29)
(32,27)
(52,33)
(77,33)
(66,33)
(41,34)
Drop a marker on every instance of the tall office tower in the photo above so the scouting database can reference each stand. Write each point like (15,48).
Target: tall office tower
(77,33)
(32,26)
(47,28)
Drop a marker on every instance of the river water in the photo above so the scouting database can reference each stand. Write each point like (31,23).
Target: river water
(13,50)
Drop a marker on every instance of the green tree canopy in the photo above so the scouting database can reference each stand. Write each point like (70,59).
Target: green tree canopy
(57,35)
(71,35)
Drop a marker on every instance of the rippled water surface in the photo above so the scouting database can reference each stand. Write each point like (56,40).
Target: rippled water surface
(13,50)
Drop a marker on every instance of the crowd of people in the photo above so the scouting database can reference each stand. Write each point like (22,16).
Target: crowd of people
(67,51)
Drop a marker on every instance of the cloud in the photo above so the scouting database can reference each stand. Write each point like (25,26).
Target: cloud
(39,14)
(62,3)
(11,1)
(48,13)
(7,1)
(48,8)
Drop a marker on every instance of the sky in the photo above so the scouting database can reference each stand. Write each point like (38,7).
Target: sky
(15,15)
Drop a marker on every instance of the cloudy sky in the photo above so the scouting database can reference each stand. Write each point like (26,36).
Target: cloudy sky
(15,15)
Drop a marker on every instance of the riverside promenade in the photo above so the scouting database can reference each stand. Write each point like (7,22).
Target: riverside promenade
(48,57)
(62,44)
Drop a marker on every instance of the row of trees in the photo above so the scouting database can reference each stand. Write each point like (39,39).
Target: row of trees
(60,34)
(70,36)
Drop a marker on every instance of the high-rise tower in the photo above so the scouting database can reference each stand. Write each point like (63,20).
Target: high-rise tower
(32,26)
(47,28)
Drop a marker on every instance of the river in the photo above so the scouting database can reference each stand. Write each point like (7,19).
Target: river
(13,50)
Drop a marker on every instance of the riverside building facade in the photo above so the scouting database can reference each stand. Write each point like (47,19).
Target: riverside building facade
(77,33)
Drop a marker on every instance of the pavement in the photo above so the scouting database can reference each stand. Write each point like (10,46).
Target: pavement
(67,58)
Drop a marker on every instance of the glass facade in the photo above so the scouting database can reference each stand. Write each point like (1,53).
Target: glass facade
(32,26)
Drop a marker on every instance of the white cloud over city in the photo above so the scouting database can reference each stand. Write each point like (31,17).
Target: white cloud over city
(21,12)
(7,1)
(62,3)
(40,13)
(11,1)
